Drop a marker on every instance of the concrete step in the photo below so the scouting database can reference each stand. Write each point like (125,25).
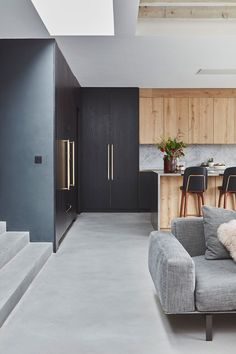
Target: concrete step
(3,227)
(10,244)
(17,275)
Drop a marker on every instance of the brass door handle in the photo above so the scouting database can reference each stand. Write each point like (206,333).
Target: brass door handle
(112,162)
(108,162)
(66,163)
(67,210)
(72,145)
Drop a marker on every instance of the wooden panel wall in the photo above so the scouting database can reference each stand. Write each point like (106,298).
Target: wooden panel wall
(199,116)
(170,196)
(151,119)
(176,113)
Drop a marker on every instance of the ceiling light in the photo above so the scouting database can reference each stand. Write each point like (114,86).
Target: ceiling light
(77,17)
(216,72)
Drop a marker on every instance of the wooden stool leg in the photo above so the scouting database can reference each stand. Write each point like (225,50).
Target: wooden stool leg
(186,203)
(199,204)
(182,204)
(203,199)
(225,200)
(220,197)
(234,205)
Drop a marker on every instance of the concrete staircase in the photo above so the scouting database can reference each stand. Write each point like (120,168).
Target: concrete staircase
(20,262)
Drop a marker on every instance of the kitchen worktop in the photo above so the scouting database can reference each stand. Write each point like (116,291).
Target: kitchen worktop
(178,174)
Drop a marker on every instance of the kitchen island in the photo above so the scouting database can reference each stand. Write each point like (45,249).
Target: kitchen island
(169,196)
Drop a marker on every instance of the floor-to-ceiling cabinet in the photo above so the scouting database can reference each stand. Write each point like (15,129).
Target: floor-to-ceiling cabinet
(109,149)
(66,151)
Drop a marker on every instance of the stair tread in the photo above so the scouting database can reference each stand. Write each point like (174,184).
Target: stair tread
(2,227)
(22,269)
(10,244)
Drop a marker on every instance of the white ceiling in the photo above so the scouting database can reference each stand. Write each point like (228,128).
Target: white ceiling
(77,17)
(169,59)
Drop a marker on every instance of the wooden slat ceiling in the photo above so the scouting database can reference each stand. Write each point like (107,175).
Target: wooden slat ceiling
(187,9)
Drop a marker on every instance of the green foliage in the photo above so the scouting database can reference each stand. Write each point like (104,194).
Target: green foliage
(171,147)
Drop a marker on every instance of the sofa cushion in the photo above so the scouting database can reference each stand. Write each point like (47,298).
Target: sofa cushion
(212,219)
(227,235)
(215,288)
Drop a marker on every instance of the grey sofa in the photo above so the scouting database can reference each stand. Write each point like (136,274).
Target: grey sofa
(184,280)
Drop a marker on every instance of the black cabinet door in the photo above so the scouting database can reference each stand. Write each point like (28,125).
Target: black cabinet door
(95,130)
(124,139)
(66,131)
(148,190)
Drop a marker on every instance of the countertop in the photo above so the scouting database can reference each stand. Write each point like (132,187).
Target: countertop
(213,173)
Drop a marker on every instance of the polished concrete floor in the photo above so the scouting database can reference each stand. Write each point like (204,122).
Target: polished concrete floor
(95,296)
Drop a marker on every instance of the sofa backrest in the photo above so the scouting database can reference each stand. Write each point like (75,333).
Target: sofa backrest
(190,233)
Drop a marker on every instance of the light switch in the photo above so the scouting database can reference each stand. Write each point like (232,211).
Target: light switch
(38,159)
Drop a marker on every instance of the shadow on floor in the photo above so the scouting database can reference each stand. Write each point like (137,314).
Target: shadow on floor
(192,326)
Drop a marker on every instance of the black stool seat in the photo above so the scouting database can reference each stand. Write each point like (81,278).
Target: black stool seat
(228,186)
(195,181)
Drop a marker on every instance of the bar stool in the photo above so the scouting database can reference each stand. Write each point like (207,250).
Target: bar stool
(194,182)
(228,186)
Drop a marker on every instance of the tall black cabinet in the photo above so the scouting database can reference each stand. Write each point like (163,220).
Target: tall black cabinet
(109,149)
(66,152)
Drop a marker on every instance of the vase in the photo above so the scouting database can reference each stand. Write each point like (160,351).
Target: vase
(170,165)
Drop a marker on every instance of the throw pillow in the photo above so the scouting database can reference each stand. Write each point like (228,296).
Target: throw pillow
(227,236)
(212,219)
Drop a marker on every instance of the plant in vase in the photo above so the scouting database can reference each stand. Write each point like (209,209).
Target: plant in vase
(172,148)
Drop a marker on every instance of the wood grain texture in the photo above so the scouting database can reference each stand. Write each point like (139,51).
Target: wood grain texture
(201,123)
(151,120)
(224,120)
(153,2)
(187,12)
(169,199)
(170,196)
(176,121)
(188,92)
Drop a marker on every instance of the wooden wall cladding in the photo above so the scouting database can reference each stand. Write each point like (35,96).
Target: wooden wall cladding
(201,120)
(151,119)
(176,112)
(170,196)
(199,116)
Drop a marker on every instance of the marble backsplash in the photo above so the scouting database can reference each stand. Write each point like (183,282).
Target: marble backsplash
(151,158)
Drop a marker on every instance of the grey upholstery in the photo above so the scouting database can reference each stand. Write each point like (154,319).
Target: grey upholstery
(190,233)
(212,219)
(173,273)
(215,284)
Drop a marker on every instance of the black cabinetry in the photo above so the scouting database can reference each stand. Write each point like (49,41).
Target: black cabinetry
(66,159)
(109,149)
(148,191)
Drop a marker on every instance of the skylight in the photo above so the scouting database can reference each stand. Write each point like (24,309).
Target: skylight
(77,17)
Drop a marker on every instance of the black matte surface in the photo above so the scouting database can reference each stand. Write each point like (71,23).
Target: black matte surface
(66,121)
(109,116)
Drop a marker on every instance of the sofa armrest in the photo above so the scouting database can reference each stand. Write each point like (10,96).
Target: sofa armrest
(190,233)
(173,273)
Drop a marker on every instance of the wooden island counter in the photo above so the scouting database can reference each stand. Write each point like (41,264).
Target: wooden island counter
(169,196)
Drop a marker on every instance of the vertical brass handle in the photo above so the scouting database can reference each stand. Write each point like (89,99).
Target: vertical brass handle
(72,145)
(68,163)
(108,162)
(112,162)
